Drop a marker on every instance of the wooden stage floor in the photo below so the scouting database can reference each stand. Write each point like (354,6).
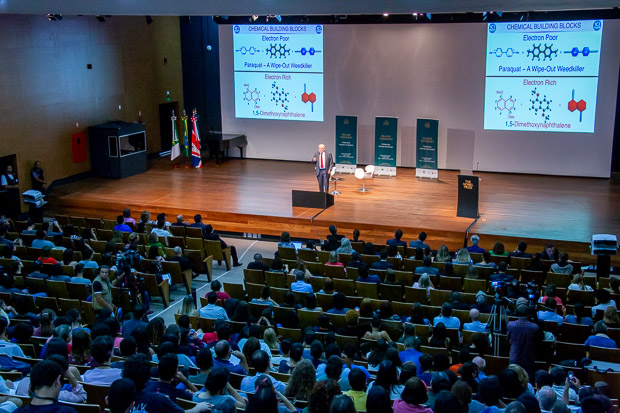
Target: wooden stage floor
(254,196)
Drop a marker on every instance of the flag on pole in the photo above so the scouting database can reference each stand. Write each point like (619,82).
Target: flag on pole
(196,159)
(185,134)
(176,147)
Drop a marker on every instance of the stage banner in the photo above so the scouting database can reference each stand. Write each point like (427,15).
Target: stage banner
(346,140)
(426,144)
(385,141)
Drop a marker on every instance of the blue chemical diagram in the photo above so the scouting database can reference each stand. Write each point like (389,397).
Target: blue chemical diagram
(251,96)
(585,51)
(278,50)
(502,104)
(540,104)
(247,50)
(279,96)
(542,51)
(508,52)
(311,51)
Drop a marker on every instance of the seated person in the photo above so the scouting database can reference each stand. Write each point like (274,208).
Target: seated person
(169,378)
(365,278)
(180,222)
(87,260)
(214,236)
(475,324)
(603,300)
(600,337)
(456,303)
(40,241)
(184,262)
(121,225)
(211,310)
(300,285)
(397,241)
(520,251)
(562,266)
(501,275)
(295,355)
(219,392)
(138,369)
(420,243)
(579,318)
(258,263)
(550,314)
(223,352)
(79,275)
(262,365)
(377,333)
(426,267)
(339,304)
(101,349)
(357,382)
(265,297)
(382,264)
(475,248)
(446,317)
(204,361)
(45,386)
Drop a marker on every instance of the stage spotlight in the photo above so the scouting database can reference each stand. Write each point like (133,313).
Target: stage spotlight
(428,16)
(386,14)
(100,19)
(499,13)
(54,17)
(279,18)
(254,17)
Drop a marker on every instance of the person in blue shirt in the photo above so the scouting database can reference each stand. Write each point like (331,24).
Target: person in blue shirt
(339,303)
(121,226)
(600,337)
(223,351)
(426,267)
(211,310)
(365,278)
(397,239)
(411,352)
(579,318)
(475,324)
(40,241)
(549,314)
(520,251)
(419,243)
(285,240)
(475,239)
(300,285)
(446,317)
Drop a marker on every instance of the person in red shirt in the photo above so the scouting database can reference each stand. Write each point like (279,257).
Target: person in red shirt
(45,257)
(221,295)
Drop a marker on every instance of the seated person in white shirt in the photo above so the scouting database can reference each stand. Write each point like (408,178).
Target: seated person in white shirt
(475,324)
(211,310)
(102,350)
(550,314)
(300,285)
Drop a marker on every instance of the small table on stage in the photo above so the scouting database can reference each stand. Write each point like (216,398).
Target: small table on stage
(219,144)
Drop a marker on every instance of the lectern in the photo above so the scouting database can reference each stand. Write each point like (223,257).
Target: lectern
(311,199)
(467,206)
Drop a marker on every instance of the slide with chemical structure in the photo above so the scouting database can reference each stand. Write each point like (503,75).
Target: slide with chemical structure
(278,71)
(539,74)
(278,48)
(558,48)
(540,104)
(283,96)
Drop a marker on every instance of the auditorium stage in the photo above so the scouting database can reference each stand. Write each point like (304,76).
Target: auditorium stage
(254,196)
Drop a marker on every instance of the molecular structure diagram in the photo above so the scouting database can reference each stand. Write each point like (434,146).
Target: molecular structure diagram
(278,50)
(311,51)
(541,105)
(279,96)
(545,51)
(251,95)
(308,98)
(502,104)
(508,52)
(585,51)
(574,105)
(245,50)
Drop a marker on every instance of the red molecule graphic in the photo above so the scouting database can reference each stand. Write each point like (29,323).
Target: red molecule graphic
(305,97)
(574,105)
(313,99)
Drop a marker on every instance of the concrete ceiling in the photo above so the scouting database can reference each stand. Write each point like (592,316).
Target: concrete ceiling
(288,7)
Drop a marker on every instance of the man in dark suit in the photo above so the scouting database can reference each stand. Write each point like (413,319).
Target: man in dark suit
(324,163)
(397,239)
(520,251)
(258,263)
(419,243)
(198,224)
(332,241)
(355,260)
(383,264)
(214,236)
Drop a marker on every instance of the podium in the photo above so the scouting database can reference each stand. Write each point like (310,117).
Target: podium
(312,199)
(467,205)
